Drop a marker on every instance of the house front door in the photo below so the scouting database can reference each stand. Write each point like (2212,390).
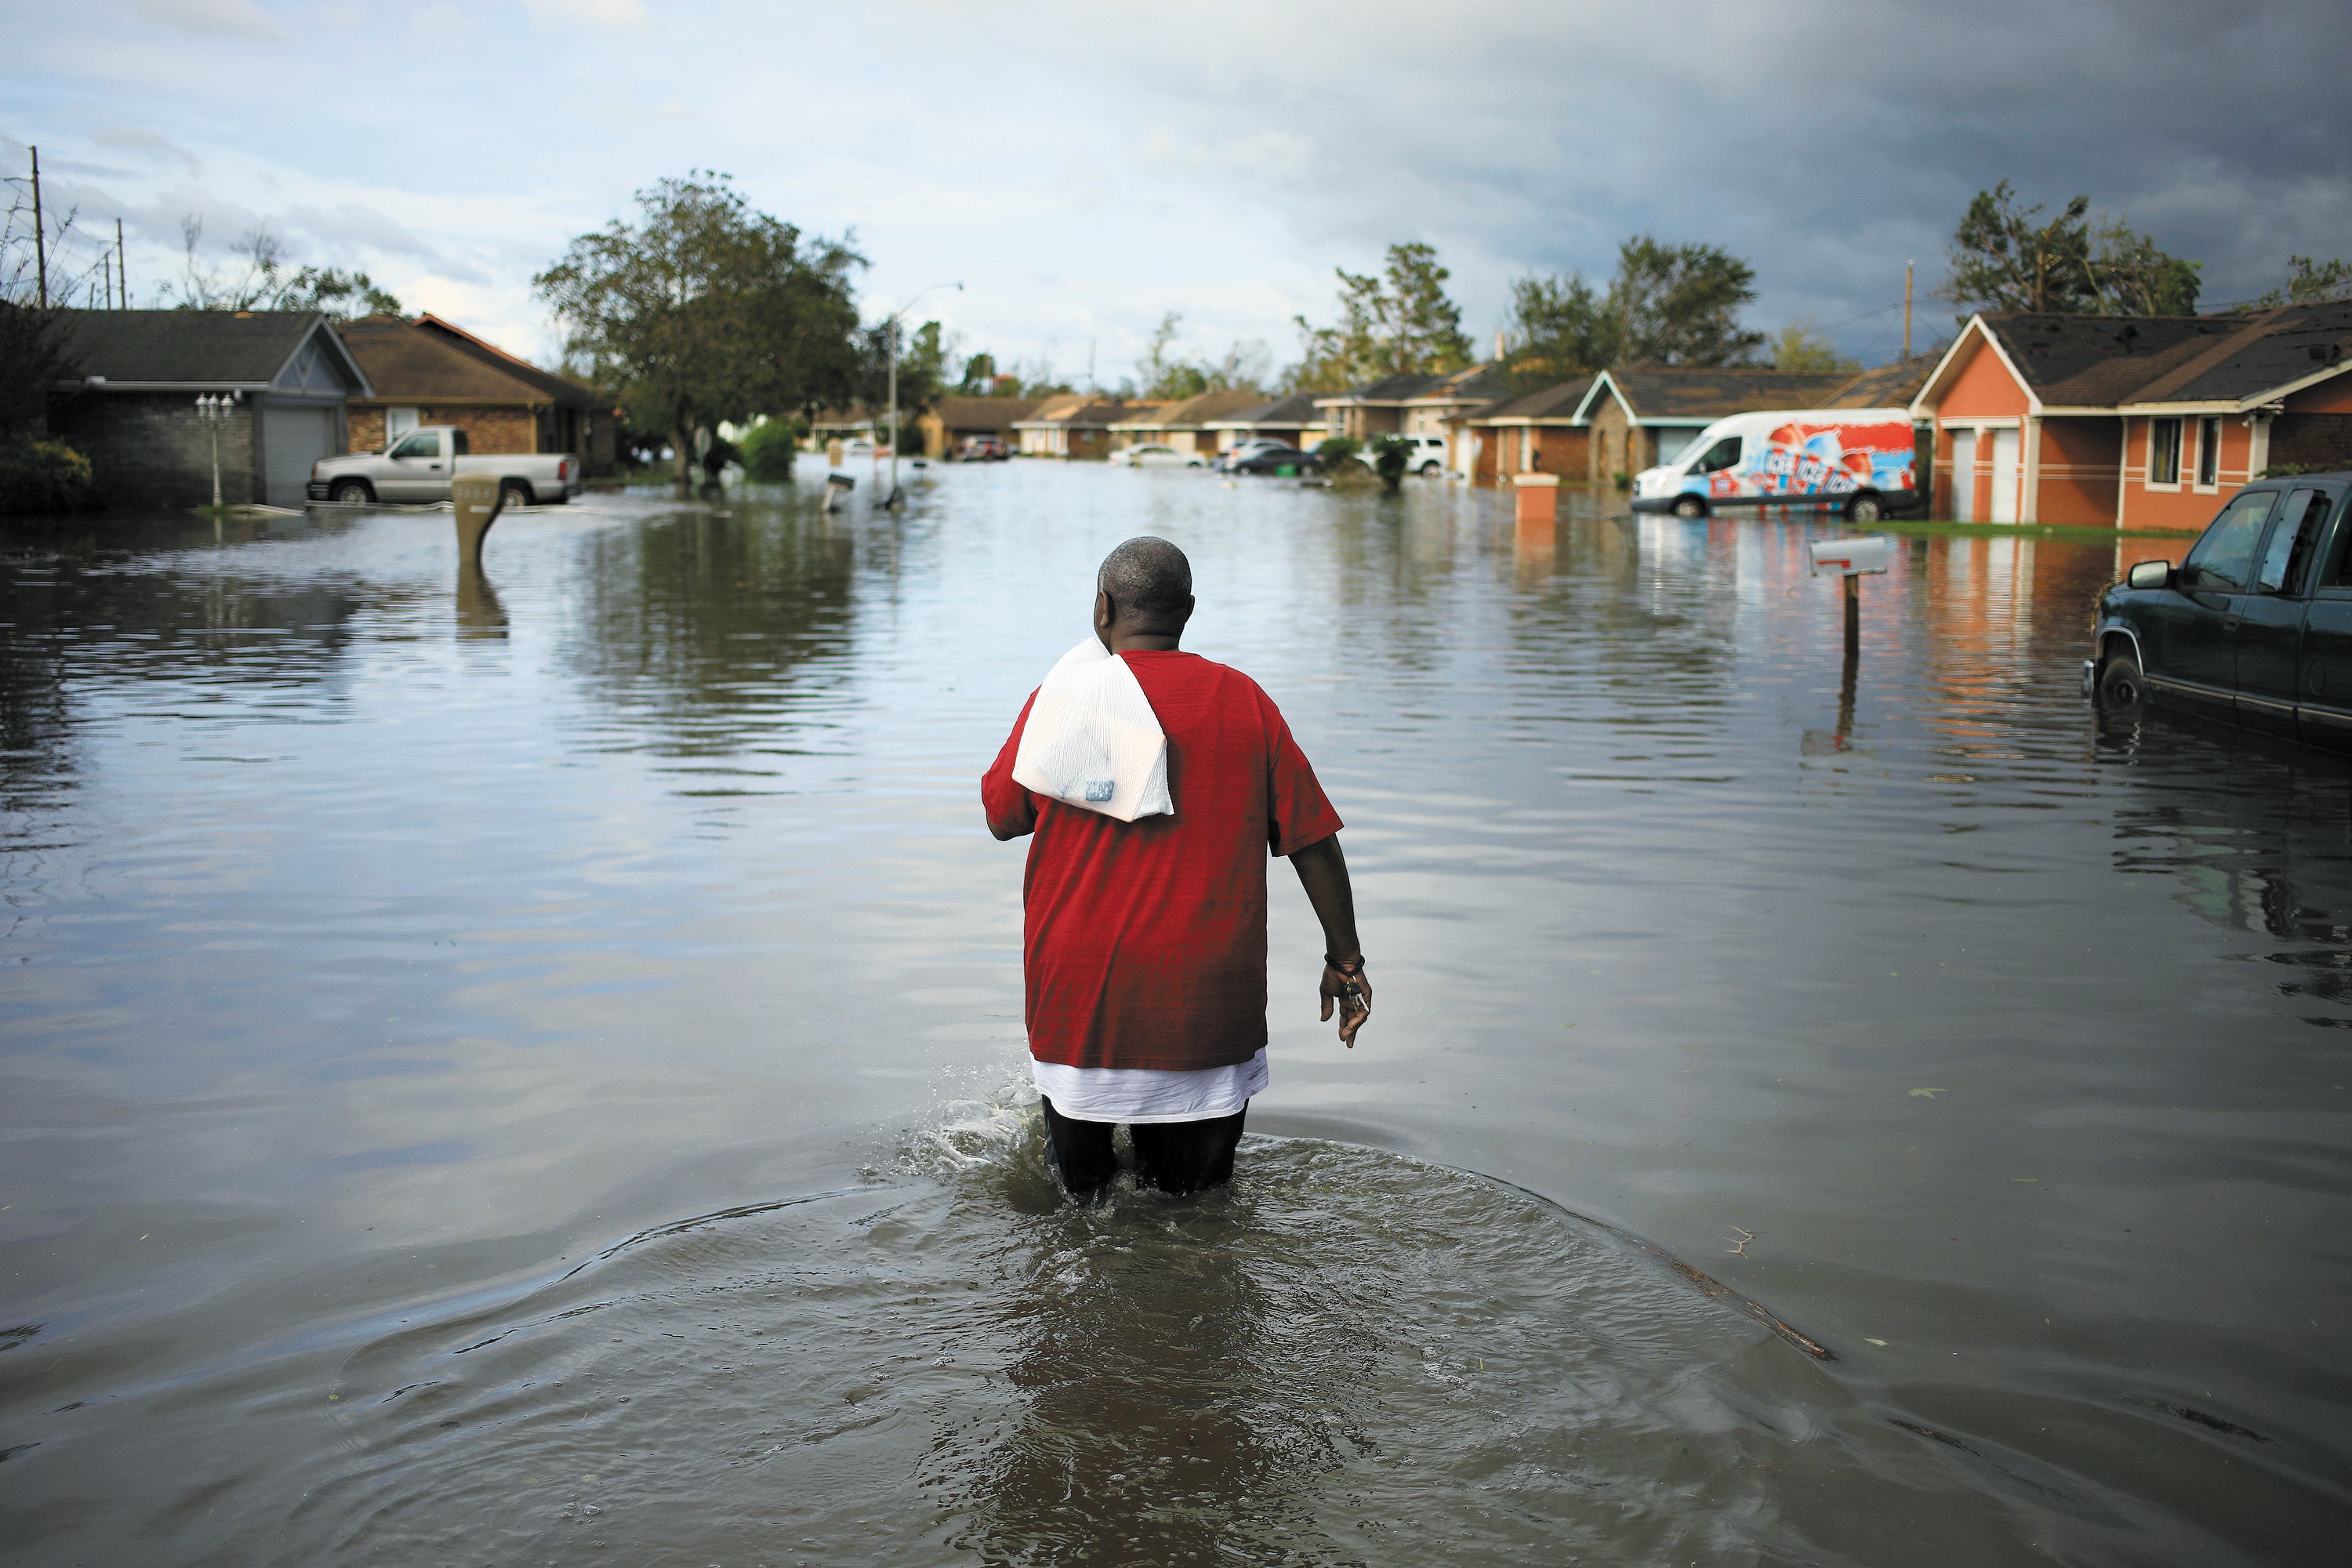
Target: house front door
(1964,476)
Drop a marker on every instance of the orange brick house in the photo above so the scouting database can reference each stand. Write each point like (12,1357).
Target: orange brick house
(2133,422)
(1540,433)
(430,372)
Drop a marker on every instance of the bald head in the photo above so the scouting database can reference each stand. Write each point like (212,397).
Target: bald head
(1144,589)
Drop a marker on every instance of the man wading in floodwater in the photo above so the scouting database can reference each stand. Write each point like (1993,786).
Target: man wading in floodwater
(1144,947)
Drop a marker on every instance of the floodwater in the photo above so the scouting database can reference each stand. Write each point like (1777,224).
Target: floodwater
(527,1068)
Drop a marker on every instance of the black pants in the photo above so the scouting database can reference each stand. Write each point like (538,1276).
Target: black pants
(1177,1157)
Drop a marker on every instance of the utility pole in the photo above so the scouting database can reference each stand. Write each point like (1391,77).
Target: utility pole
(890,328)
(40,239)
(1906,310)
(121,277)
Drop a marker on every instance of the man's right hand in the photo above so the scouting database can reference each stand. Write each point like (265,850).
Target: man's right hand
(1353,997)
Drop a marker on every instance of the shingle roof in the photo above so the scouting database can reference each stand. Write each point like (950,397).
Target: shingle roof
(2106,361)
(1196,410)
(1480,382)
(1388,389)
(1298,408)
(1888,386)
(1658,393)
(407,363)
(186,347)
(983,413)
(553,388)
(1549,403)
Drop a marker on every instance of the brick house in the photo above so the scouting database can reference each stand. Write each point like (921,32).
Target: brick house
(130,406)
(1641,415)
(1540,433)
(1071,425)
(1409,404)
(1183,424)
(1293,420)
(2135,422)
(430,372)
(952,421)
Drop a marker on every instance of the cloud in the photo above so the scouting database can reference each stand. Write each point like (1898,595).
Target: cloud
(352,224)
(586,13)
(137,139)
(217,18)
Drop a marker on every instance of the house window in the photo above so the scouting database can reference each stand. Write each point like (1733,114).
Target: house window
(2208,452)
(2163,451)
(398,422)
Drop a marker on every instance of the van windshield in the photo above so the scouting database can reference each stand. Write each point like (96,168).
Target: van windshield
(1717,458)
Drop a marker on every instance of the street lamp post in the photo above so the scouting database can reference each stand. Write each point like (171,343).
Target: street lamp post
(213,413)
(890,330)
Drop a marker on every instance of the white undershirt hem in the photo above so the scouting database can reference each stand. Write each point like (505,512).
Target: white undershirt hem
(1150,1094)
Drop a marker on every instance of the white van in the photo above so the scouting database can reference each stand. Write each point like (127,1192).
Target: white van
(1856,459)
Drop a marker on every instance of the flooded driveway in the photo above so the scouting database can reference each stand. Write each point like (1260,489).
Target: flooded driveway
(527,1068)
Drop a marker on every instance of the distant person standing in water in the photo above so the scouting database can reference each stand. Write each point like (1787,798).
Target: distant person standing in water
(1144,939)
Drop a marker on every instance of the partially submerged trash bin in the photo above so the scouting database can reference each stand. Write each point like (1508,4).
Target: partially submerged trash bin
(478,500)
(1538,496)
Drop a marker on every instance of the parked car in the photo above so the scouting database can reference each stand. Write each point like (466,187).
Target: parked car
(2254,627)
(984,449)
(1157,457)
(1242,451)
(1282,460)
(1426,458)
(1857,460)
(418,466)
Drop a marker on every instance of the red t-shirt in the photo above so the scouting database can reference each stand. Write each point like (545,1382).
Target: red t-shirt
(1145,940)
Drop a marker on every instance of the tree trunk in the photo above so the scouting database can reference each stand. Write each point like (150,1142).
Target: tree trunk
(682,443)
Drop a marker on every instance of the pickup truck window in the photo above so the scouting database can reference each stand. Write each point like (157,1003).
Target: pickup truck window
(2225,559)
(2290,544)
(417,446)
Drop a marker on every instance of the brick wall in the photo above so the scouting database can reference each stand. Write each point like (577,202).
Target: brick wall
(151,449)
(2308,439)
(507,429)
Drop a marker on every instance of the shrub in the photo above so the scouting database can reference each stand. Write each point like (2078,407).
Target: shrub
(1338,449)
(768,451)
(1389,454)
(1624,481)
(44,476)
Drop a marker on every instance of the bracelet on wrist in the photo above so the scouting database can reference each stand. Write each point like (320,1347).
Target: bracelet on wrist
(1350,967)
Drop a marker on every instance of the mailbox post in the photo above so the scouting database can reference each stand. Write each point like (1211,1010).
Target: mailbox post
(477,498)
(1852,559)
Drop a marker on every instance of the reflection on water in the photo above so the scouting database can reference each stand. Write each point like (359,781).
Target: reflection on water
(398,953)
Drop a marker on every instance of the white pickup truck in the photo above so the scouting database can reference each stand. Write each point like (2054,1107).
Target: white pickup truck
(419,466)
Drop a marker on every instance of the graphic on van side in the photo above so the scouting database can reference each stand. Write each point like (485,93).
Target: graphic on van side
(1808,459)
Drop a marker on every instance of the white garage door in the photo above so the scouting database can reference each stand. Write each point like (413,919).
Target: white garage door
(291,440)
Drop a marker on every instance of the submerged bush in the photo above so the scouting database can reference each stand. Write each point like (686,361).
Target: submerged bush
(768,450)
(1338,450)
(44,476)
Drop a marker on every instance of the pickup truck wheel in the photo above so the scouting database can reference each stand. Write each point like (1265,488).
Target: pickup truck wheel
(351,493)
(1690,506)
(513,492)
(2121,688)
(1864,509)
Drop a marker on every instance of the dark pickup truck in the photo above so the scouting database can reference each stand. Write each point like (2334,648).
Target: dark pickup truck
(2255,627)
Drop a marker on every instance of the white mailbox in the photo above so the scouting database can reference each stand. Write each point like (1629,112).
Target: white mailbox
(1851,557)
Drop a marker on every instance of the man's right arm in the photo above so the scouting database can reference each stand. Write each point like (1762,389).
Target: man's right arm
(1012,810)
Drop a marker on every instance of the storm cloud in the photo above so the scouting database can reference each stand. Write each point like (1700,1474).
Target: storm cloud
(1083,168)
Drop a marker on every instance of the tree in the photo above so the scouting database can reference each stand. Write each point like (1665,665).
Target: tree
(1160,373)
(2311,282)
(2135,278)
(1679,305)
(1557,327)
(33,360)
(267,285)
(1802,346)
(1395,322)
(705,311)
(924,356)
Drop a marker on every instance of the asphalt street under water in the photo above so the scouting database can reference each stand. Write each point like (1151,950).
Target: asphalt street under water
(527,1068)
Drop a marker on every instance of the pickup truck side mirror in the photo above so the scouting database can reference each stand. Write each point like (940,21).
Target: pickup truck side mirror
(2150,574)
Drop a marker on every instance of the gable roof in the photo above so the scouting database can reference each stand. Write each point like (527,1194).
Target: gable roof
(1296,411)
(1695,396)
(1076,411)
(2237,360)
(1388,389)
(982,413)
(1550,404)
(1479,384)
(1192,412)
(558,390)
(405,363)
(1888,386)
(204,350)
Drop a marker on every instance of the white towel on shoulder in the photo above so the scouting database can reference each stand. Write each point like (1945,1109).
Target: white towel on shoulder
(1092,740)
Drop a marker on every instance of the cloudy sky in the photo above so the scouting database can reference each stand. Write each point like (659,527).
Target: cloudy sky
(1085,167)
